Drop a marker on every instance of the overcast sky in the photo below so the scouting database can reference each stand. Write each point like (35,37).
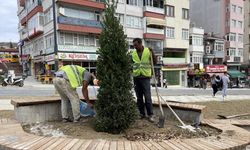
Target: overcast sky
(8,21)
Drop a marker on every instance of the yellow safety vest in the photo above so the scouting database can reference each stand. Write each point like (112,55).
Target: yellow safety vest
(74,74)
(142,66)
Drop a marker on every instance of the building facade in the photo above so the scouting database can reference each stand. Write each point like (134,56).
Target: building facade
(78,26)
(77,31)
(176,44)
(224,19)
(196,47)
(144,19)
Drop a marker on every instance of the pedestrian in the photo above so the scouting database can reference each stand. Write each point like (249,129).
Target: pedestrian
(214,85)
(66,80)
(225,82)
(165,85)
(204,83)
(142,74)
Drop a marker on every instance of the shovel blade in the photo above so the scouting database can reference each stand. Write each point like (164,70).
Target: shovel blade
(161,122)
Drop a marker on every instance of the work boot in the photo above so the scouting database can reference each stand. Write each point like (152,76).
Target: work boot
(82,120)
(151,119)
(142,117)
(66,120)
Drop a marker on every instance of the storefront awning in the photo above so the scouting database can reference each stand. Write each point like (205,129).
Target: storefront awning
(235,73)
(156,21)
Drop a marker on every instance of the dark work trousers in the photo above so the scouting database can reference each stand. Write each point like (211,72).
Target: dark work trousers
(142,88)
(215,89)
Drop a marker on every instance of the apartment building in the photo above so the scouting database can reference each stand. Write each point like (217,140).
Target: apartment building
(77,30)
(196,47)
(176,44)
(144,19)
(224,19)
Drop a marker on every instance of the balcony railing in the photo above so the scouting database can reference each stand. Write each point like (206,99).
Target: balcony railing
(79,22)
(154,9)
(26,11)
(154,30)
(172,60)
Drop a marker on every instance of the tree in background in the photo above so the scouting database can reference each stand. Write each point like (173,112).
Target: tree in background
(115,107)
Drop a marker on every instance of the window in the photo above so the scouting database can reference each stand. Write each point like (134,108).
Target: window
(240,52)
(69,39)
(240,10)
(75,13)
(48,16)
(135,2)
(240,38)
(233,8)
(185,35)
(240,24)
(197,41)
(154,3)
(170,32)
(156,45)
(218,46)
(232,52)
(232,37)
(170,11)
(233,23)
(134,22)
(121,1)
(121,18)
(49,41)
(130,43)
(185,13)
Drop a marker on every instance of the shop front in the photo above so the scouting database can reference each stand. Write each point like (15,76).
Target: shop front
(87,61)
(175,75)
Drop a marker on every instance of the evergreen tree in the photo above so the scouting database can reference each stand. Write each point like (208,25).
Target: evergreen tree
(115,106)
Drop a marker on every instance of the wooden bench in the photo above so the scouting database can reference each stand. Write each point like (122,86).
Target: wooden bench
(188,112)
(38,109)
(13,137)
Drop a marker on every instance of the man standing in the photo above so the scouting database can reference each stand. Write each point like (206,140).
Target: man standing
(67,79)
(142,73)
(225,81)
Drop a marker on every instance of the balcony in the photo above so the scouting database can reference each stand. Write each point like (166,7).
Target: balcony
(172,60)
(30,11)
(153,9)
(154,30)
(219,54)
(79,25)
(79,22)
(98,4)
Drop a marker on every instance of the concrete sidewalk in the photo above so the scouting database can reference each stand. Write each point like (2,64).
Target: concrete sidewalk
(203,98)
(6,105)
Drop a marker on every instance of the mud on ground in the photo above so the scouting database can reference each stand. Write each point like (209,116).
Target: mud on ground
(142,129)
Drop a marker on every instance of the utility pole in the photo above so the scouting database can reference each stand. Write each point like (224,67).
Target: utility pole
(55,35)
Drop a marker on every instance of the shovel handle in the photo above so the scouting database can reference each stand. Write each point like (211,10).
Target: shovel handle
(156,88)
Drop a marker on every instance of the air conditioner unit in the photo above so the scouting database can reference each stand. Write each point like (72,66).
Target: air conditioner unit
(207,49)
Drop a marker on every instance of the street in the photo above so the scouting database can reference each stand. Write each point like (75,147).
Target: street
(48,90)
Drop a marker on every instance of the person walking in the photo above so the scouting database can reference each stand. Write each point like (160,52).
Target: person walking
(214,85)
(225,82)
(141,75)
(66,80)
(165,85)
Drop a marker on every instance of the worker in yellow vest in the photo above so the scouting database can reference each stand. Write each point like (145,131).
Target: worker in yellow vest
(66,80)
(142,74)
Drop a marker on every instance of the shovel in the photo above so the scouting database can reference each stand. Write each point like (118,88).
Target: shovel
(183,125)
(162,117)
